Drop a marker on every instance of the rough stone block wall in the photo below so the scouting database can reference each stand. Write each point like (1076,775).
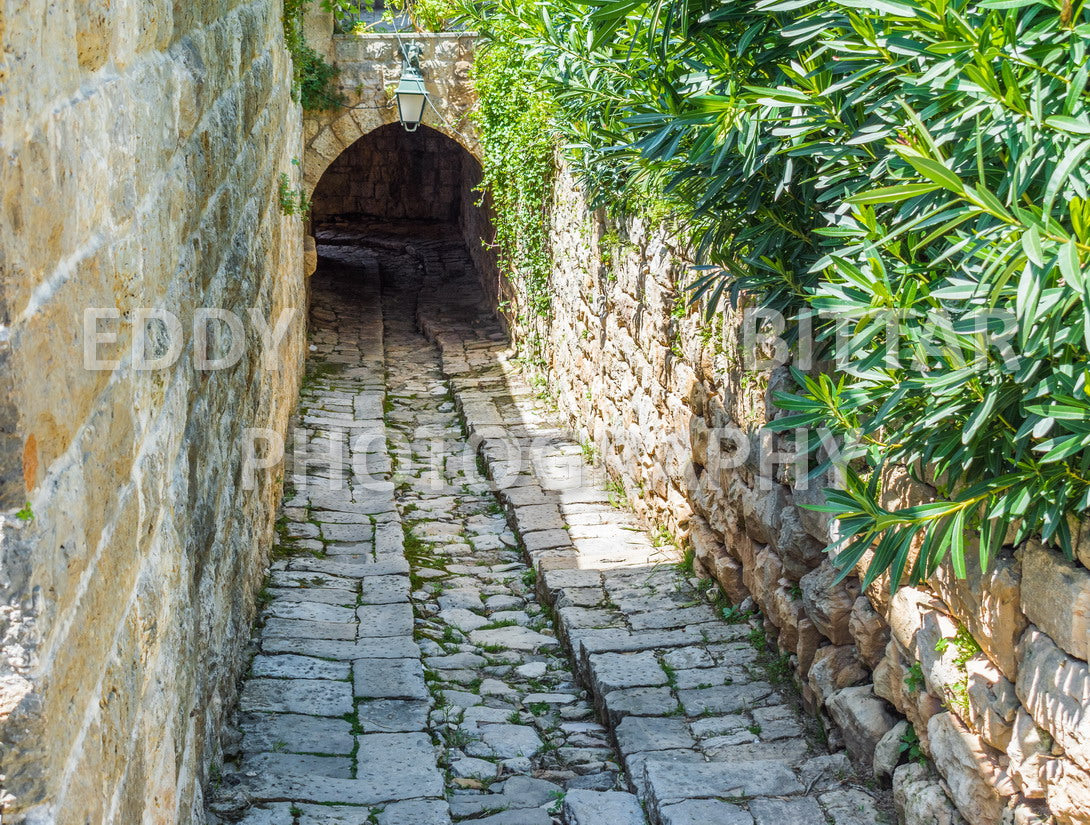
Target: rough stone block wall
(478,230)
(394,175)
(143,143)
(670,408)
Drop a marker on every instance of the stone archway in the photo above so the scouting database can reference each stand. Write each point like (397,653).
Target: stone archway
(392,174)
(369,67)
(425,182)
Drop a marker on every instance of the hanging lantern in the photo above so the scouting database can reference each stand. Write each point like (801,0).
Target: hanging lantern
(412,96)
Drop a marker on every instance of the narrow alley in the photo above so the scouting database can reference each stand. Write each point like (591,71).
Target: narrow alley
(444,548)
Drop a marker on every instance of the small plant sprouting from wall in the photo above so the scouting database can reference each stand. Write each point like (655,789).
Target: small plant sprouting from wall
(293,201)
(910,747)
(914,680)
(966,647)
(313,77)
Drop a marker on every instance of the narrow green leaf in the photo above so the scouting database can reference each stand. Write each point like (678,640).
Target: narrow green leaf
(1031,245)
(935,172)
(1074,125)
(893,194)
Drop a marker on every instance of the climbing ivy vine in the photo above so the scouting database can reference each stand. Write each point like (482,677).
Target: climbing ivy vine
(518,140)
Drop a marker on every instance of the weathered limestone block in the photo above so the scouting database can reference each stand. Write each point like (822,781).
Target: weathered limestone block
(1068,792)
(992,701)
(786,612)
(318,30)
(869,631)
(326,145)
(978,784)
(94,28)
(834,667)
(728,572)
(809,491)
(1056,597)
(906,610)
(346,129)
(1028,749)
(798,550)
(1055,689)
(762,513)
(989,605)
(888,751)
(699,437)
(829,605)
(938,657)
(920,799)
(864,718)
(810,639)
(685,384)
(904,690)
(763,576)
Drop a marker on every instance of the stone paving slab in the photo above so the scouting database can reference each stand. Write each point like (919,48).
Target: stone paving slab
(602,808)
(290,666)
(335,767)
(382,620)
(286,732)
(318,697)
(389,679)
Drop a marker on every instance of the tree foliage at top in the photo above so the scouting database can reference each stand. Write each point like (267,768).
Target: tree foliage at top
(911,172)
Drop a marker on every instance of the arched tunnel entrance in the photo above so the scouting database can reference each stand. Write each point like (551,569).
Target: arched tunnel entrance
(394,192)
(390,174)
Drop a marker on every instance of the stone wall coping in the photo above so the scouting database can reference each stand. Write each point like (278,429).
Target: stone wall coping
(372,36)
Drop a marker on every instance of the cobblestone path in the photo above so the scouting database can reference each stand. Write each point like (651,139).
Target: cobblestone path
(413,668)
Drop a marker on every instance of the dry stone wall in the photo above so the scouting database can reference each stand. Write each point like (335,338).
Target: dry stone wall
(143,144)
(990,672)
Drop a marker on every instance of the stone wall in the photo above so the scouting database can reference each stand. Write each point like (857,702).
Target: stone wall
(478,231)
(144,141)
(669,406)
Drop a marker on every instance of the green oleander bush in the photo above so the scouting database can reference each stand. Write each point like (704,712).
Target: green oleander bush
(910,175)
